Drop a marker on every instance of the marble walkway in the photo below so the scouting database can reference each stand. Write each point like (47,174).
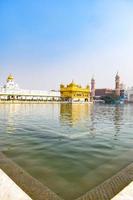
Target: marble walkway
(9,190)
(125,194)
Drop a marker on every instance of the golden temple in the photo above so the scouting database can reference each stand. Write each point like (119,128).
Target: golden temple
(75,93)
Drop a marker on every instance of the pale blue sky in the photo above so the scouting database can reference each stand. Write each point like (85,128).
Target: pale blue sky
(46,42)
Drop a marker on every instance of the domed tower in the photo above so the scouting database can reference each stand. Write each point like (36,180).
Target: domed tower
(10,84)
(117,85)
(10,78)
(92,87)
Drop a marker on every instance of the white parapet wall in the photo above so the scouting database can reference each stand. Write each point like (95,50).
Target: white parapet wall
(9,190)
(29,95)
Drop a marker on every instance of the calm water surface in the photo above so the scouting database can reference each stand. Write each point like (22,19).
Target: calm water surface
(69,148)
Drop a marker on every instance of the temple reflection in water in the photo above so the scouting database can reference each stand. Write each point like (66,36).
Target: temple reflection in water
(118,118)
(73,113)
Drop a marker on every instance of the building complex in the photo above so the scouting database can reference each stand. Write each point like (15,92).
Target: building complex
(11,91)
(68,93)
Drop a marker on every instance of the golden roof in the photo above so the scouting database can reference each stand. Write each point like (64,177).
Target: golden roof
(10,78)
(72,84)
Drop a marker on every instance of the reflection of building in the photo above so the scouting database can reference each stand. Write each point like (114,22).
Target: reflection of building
(75,93)
(11,111)
(73,113)
(118,117)
(11,91)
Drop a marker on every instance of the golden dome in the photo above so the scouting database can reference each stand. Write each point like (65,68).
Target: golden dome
(88,87)
(10,78)
(61,85)
(72,84)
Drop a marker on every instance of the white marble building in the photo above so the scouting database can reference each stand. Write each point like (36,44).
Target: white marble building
(11,91)
(130,94)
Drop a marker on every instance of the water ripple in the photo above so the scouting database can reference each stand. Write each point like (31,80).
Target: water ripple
(64,145)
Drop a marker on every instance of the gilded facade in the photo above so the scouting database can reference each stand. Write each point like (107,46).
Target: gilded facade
(75,93)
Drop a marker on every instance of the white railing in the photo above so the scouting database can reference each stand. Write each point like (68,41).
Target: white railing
(30,93)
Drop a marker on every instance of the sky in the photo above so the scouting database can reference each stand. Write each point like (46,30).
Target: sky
(47,42)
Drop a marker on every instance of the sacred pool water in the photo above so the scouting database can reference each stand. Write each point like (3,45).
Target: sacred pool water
(69,148)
